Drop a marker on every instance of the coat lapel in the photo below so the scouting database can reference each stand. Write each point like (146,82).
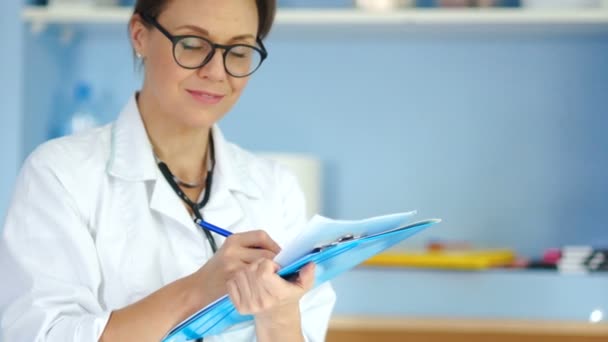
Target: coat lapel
(165,202)
(132,160)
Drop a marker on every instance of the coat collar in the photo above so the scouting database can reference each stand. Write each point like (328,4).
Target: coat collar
(131,159)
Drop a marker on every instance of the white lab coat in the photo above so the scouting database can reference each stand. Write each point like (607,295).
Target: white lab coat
(93,226)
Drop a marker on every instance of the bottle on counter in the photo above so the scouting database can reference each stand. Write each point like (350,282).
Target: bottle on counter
(81,115)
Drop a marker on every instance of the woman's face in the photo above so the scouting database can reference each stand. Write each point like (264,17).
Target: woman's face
(195,98)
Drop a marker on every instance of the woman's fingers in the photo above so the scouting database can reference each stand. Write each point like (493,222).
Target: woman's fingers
(253,296)
(252,255)
(234,293)
(256,239)
(237,252)
(251,246)
(267,266)
(259,300)
(256,287)
(269,282)
(244,286)
(306,279)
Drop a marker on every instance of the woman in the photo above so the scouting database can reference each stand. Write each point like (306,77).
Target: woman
(100,240)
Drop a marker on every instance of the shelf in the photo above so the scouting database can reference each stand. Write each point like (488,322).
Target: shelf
(42,15)
(537,295)
(120,15)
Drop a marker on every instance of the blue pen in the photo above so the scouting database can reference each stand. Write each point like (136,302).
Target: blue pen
(213,228)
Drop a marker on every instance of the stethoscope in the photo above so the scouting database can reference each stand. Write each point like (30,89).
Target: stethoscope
(195,207)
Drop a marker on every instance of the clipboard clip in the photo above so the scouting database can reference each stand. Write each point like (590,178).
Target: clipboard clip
(341,239)
(344,238)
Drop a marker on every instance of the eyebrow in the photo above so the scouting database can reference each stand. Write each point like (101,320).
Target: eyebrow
(206,33)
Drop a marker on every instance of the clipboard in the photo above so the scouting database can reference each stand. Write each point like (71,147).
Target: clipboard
(366,239)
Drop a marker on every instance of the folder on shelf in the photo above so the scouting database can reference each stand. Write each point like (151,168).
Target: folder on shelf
(334,246)
(456,260)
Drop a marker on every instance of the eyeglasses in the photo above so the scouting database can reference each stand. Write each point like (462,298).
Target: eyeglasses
(194,52)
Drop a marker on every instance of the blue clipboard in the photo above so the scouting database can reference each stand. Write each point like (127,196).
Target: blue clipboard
(331,259)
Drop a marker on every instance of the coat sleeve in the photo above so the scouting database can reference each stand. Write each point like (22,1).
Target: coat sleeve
(317,305)
(52,293)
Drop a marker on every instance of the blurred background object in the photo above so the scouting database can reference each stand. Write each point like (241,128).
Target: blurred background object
(70,3)
(467,3)
(76,3)
(308,172)
(314,3)
(107,2)
(79,116)
(383,5)
(561,3)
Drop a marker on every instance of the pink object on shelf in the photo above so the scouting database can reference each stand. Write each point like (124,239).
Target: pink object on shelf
(552,255)
(467,3)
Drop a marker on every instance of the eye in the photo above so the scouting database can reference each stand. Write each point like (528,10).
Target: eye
(193,44)
(241,51)
(187,46)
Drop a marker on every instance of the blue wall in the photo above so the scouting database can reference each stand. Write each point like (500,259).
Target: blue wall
(11,78)
(501,134)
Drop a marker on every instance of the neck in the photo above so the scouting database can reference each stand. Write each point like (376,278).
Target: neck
(182,148)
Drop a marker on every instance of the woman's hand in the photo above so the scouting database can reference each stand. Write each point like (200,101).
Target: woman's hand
(258,290)
(238,251)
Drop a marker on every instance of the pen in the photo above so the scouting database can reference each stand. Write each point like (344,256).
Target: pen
(213,228)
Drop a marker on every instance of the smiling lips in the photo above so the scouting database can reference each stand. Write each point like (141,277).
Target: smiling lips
(206,97)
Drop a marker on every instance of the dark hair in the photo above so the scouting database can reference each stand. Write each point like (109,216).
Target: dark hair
(266,12)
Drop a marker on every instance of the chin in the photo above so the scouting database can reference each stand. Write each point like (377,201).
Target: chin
(201,119)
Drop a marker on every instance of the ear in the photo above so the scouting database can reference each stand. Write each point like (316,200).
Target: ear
(138,33)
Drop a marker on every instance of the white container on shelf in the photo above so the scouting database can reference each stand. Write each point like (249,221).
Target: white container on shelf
(561,3)
(307,170)
(70,4)
(106,2)
(74,4)
(383,5)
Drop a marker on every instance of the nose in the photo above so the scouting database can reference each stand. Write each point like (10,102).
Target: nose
(214,69)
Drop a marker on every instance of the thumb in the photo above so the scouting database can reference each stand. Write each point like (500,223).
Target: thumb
(306,278)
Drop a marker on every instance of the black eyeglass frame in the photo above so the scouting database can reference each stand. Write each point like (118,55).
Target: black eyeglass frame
(214,46)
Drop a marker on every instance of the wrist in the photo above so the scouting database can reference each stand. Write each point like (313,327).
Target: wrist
(281,324)
(193,298)
(282,316)
(198,289)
